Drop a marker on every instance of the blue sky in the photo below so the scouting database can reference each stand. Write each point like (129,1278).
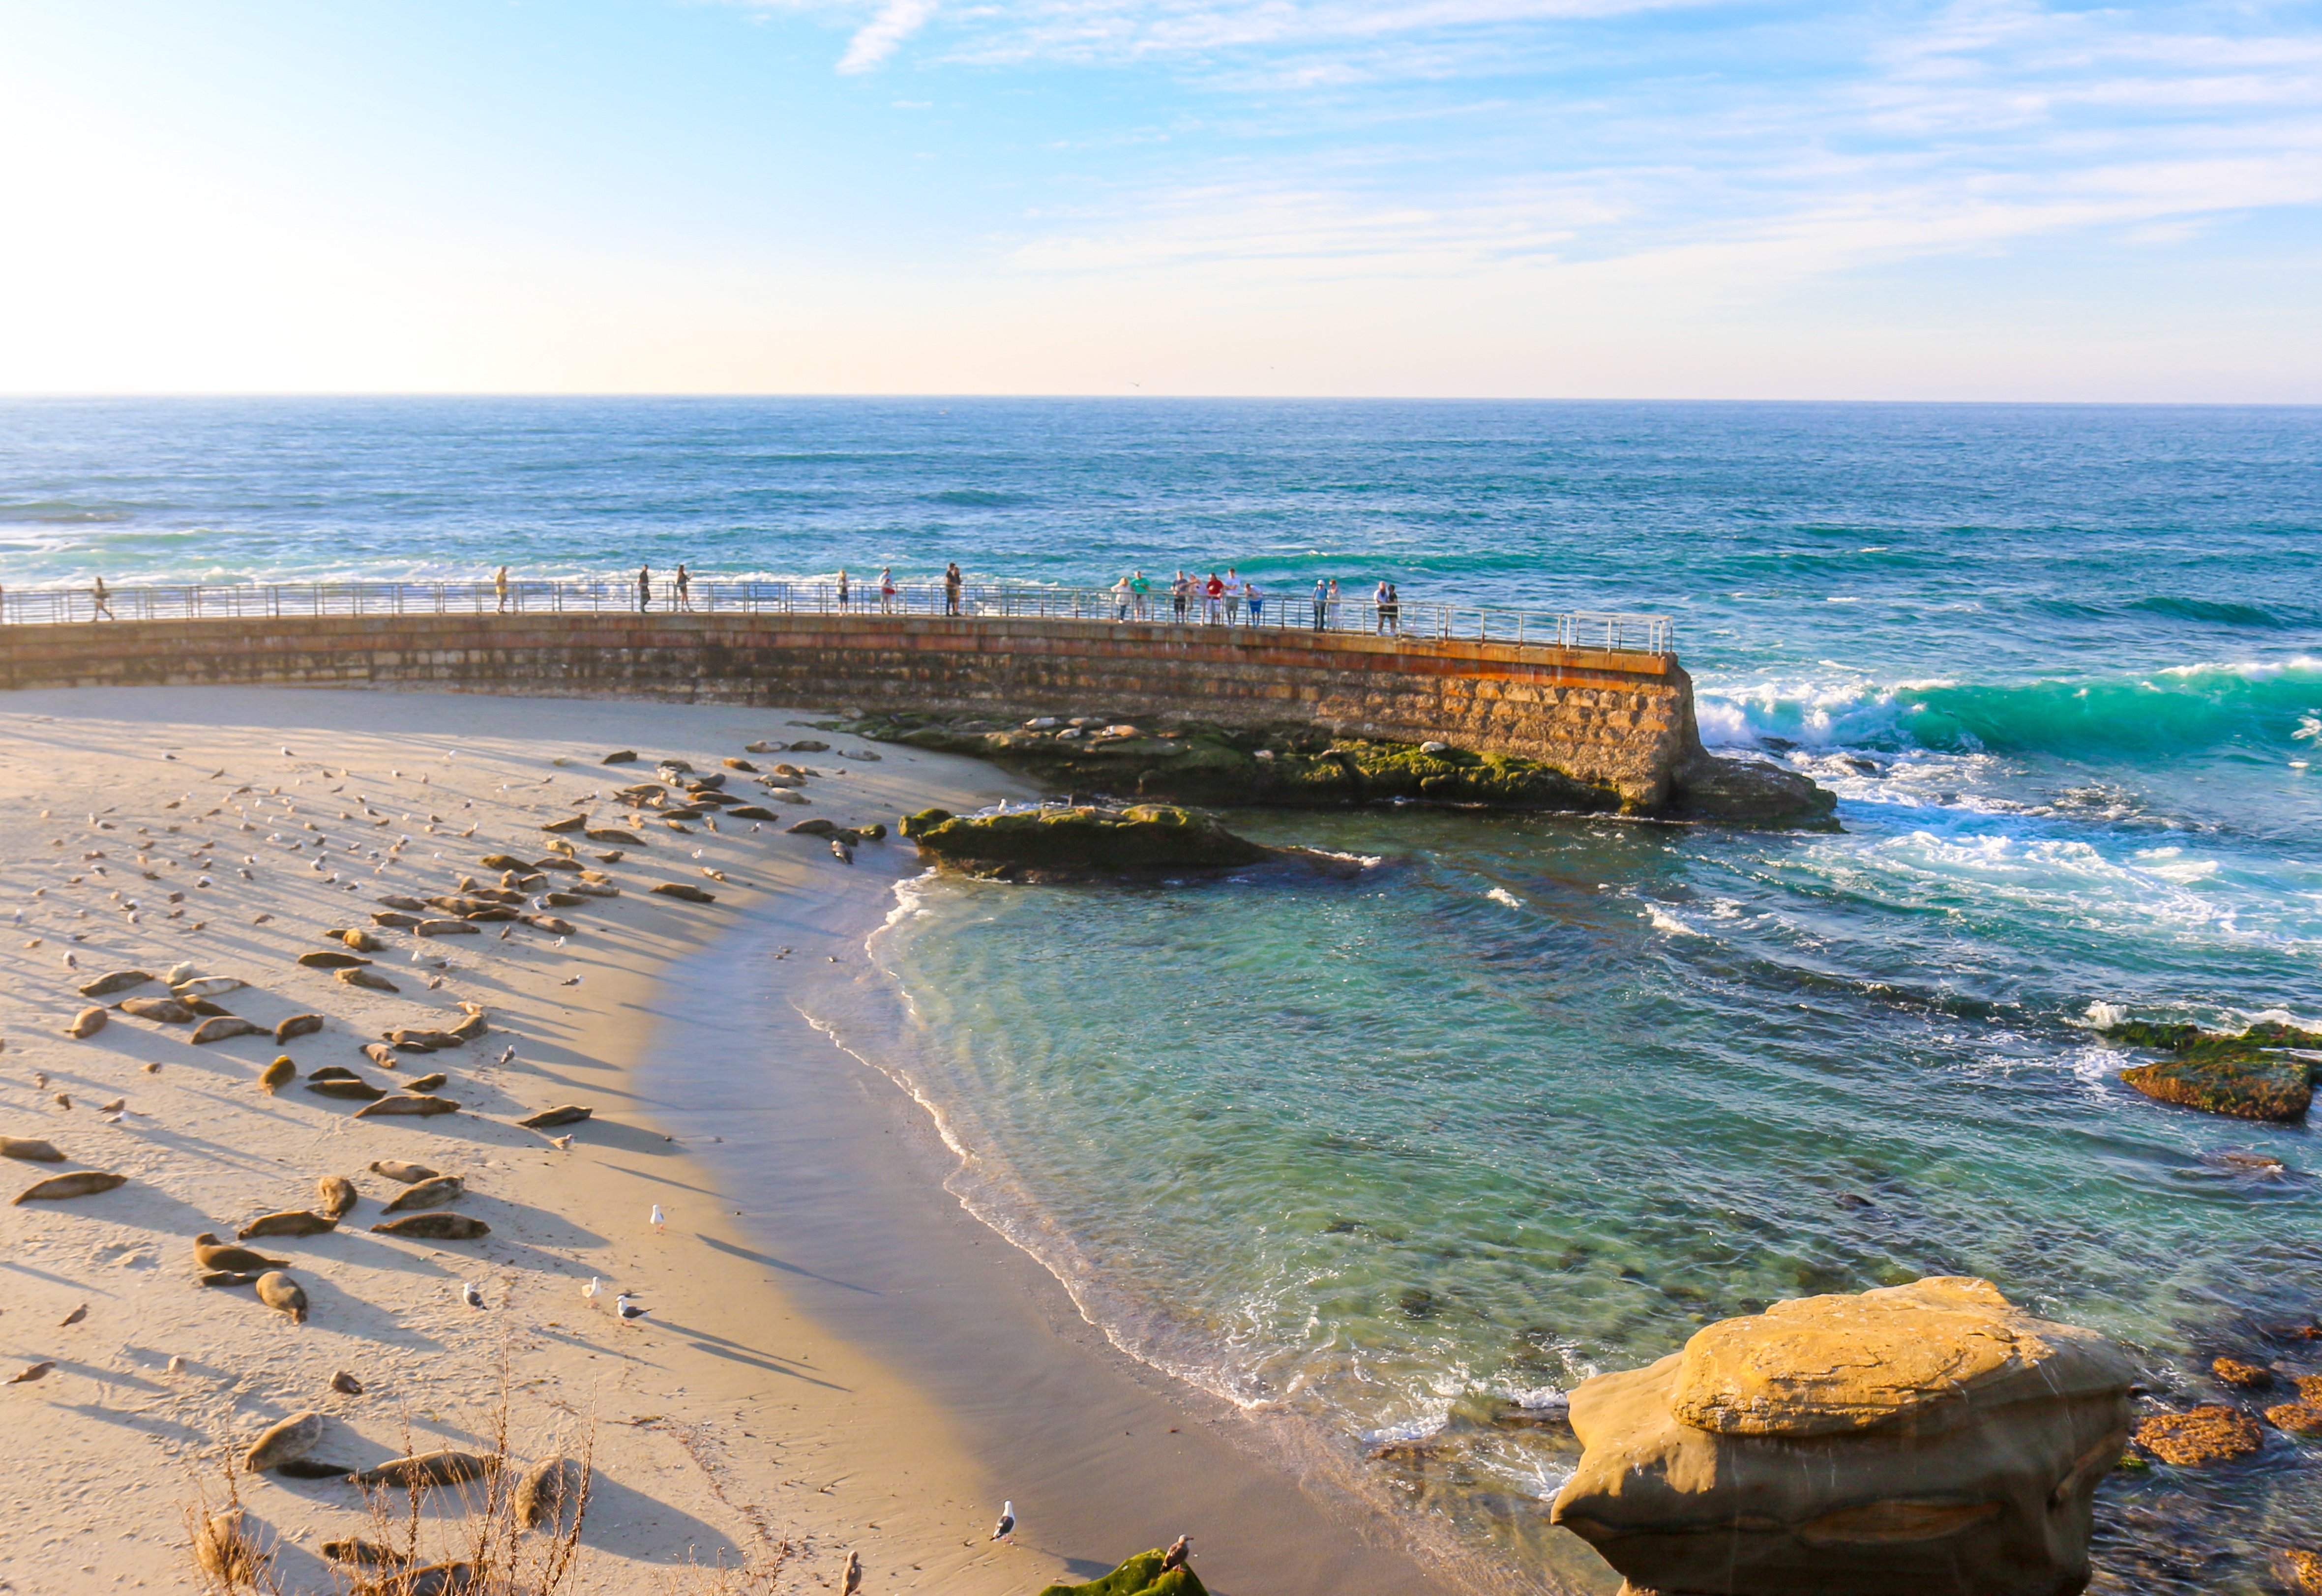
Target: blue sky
(1985,200)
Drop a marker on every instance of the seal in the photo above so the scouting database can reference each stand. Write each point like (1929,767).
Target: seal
(167,1010)
(361,1092)
(408,905)
(288,1222)
(428,1468)
(221,1026)
(294,1437)
(279,1291)
(394,919)
(569,823)
(360,940)
(297,1025)
(79,1183)
(336,1194)
(550,923)
(277,1074)
(446,928)
(417,1039)
(551,1493)
(381,1055)
(229,1277)
(395,1169)
(333,1072)
(31,1147)
(549,1118)
(427,1194)
(363,1553)
(437,1579)
(425,1084)
(119,980)
(210,1252)
(684,889)
(504,862)
(331,960)
(368,979)
(472,1028)
(225,1550)
(204,986)
(400,1104)
(87,1022)
(614,834)
(313,1468)
(435,1226)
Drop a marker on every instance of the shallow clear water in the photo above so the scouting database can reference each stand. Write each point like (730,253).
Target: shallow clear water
(1532,1097)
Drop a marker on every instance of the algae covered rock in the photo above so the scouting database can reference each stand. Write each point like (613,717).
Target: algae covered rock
(1141,1576)
(2243,1074)
(1065,842)
(1915,1439)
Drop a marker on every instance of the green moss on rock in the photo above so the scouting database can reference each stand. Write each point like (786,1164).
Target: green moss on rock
(2242,1074)
(1141,1576)
(1080,840)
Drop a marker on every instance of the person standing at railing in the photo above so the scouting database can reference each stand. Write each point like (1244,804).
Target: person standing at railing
(1388,611)
(1257,603)
(887,590)
(1322,601)
(952,581)
(1141,588)
(1330,606)
(1233,594)
(1121,599)
(1181,596)
(644,588)
(499,587)
(1214,592)
(684,586)
(97,595)
(844,590)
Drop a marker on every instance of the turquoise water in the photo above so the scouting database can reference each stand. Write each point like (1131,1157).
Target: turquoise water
(1530,1098)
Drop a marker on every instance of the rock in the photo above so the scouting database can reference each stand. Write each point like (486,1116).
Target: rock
(2259,1087)
(1749,792)
(421,1106)
(2300,1570)
(549,1118)
(686,890)
(369,980)
(30,1147)
(79,1183)
(1051,842)
(119,980)
(167,1010)
(1141,1576)
(1927,1437)
(330,960)
(226,1026)
(297,1025)
(2299,1418)
(874,832)
(2235,1372)
(435,1226)
(2201,1436)
(87,1022)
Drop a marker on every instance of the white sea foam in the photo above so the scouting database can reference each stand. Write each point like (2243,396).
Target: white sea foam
(1662,920)
(1502,895)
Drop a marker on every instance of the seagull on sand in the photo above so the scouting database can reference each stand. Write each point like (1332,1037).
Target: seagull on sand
(1007,1525)
(854,1574)
(469,1295)
(628,1311)
(657,1221)
(590,1289)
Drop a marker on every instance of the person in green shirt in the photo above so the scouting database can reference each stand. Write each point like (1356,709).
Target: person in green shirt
(1141,588)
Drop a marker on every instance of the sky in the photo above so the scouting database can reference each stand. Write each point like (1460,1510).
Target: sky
(1890,199)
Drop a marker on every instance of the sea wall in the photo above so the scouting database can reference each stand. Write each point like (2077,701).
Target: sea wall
(1625,719)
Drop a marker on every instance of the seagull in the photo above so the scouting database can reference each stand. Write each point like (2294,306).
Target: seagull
(590,1289)
(72,960)
(469,1295)
(561,1143)
(506,1053)
(841,852)
(854,1575)
(659,1223)
(628,1311)
(1007,1525)
(77,1314)
(1179,1550)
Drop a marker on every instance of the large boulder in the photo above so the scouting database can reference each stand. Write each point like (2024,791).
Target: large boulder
(1919,1440)
(1059,842)
(1749,792)
(2242,1074)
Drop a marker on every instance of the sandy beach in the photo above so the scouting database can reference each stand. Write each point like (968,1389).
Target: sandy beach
(837,1358)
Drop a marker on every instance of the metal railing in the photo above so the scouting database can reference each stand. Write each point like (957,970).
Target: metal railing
(1411,619)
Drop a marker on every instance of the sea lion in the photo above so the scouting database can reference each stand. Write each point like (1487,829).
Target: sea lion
(476,1024)
(381,1055)
(277,1074)
(753,812)
(394,919)
(563,899)
(551,1493)
(402,1104)
(425,1084)
(119,980)
(225,1550)
(563,1114)
(288,1222)
(79,1183)
(294,1437)
(503,862)
(444,928)
(408,905)
(435,1226)
(815,827)
(366,1553)
(335,1195)
(31,1147)
(360,940)
(414,1039)
(354,1091)
(686,890)
(614,834)
(395,1169)
(550,924)
(279,1291)
(334,1072)
(319,961)
(220,1028)
(87,1022)
(167,1010)
(204,986)
(428,1468)
(427,1194)
(229,1277)
(369,978)
(297,1025)
(569,823)
(212,1254)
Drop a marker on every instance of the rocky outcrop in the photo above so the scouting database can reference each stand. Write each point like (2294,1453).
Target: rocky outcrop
(1141,1576)
(1749,792)
(1073,843)
(2246,1074)
(1919,1440)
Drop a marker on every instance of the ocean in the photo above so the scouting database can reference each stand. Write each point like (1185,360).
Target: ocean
(1530,1098)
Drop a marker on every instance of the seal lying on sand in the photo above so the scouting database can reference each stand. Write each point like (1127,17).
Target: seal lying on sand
(428,1194)
(30,1147)
(428,1468)
(436,1226)
(79,1183)
(551,1493)
(279,1291)
(562,1114)
(294,1437)
(395,1169)
(337,1194)
(277,1074)
(288,1222)
(225,1550)
(210,1252)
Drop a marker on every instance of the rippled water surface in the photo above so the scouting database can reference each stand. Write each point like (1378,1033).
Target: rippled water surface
(1531,1097)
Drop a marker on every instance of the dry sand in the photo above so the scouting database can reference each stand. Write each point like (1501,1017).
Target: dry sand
(837,1357)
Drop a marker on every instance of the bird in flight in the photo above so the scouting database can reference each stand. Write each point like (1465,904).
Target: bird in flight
(1007,1525)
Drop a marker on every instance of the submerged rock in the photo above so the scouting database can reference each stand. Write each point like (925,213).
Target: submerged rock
(1915,1439)
(2201,1436)
(1056,843)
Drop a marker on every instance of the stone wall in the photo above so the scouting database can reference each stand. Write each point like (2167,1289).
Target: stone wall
(1622,718)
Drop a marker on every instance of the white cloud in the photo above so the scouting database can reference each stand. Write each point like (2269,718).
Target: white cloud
(879,38)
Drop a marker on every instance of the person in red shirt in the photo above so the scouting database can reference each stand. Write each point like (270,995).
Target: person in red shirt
(1215,591)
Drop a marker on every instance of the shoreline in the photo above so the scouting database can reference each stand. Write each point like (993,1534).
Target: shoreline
(753,1419)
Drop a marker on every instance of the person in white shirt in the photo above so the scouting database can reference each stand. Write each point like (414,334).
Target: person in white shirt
(1120,597)
(1234,591)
